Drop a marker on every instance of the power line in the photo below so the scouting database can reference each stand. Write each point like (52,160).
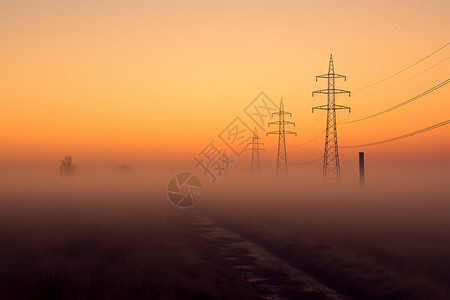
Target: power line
(392,31)
(409,78)
(318,136)
(408,67)
(401,136)
(310,141)
(316,122)
(401,104)
(371,26)
(386,110)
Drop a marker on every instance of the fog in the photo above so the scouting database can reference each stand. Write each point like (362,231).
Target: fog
(114,220)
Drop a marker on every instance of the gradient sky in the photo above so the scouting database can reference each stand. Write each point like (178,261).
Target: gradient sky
(116,82)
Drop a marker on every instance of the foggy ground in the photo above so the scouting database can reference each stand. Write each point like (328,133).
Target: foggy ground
(388,241)
(73,241)
(116,236)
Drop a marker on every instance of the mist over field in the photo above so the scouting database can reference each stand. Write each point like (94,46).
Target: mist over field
(112,234)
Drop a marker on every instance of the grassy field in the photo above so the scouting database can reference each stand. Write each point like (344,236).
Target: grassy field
(117,237)
(103,244)
(365,244)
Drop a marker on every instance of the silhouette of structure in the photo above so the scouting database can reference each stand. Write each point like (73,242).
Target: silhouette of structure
(361,170)
(66,166)
(255,166)
(282,163)
(331,167)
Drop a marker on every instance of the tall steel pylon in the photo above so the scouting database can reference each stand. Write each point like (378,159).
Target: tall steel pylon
(331,167)
(282,163)
(255,166)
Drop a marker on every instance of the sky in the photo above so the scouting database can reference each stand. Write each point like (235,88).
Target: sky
(150,82)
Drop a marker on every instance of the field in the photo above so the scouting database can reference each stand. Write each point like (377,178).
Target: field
(366,244)
(117,237)
(106,244)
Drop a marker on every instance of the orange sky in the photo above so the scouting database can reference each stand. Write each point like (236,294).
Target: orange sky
(138,81)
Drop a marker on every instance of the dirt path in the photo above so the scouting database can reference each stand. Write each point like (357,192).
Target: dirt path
(270,276)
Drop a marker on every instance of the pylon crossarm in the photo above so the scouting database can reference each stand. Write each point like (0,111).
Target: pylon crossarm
(273,132)
(282,113)
(323,107)
(289,123)
(339,91)
(336,106)
(339,76)
(257,144)
(290,132)
(320,92)
(326,76)
(248,145)
(330,91)
(255,149)
(274,123)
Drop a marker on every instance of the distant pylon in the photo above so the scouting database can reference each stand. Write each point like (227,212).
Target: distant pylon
(282,163)
(331,167)
(255,166)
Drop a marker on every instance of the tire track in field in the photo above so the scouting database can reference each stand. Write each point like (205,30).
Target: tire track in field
(269,275)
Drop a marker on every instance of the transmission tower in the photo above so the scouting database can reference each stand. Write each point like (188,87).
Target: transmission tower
(255,167)
(282,164)
(331,168)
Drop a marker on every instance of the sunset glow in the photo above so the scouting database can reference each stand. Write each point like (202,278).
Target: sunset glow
(151,80)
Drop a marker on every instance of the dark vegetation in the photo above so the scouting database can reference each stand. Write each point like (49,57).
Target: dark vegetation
(365,245)
(107,246)
(119,239)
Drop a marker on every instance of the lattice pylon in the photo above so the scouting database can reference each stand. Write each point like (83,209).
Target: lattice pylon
(331,166)
(255,168)
(282,162)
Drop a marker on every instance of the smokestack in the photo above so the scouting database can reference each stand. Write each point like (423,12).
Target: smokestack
(361,169)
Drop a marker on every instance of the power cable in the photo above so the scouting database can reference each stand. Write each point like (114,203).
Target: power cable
(401,136)
(315,138)
(392,31)
(408,67)
(310,141)
(371,26)
(401,104)
(409,78)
